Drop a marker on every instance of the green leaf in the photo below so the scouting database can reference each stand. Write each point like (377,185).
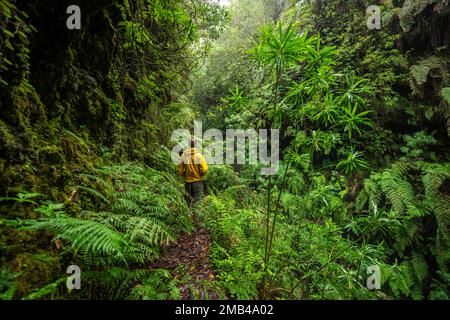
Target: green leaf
(445,93)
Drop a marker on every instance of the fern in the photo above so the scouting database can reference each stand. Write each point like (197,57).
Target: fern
(433,177)
(113,282)
(7,285)
(49,289)
(106,184)
(410,9)
(138,215)
(399,191)
(419,266)
(158,285)
(413,191)
(445,93)
(87,235)
(419,72)
(97,194)
(140,209)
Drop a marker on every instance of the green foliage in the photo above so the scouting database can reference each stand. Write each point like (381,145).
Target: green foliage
(50,289)
(417,146)
(50,209)
(139,210)
(140,204)
(445,92)
(352,163)
(429,66)
(14,50)
(86,235)
(221,177)
(237,235)
(352,120)
(159,285)
(280,48)
(363,179)
(22,197)
(7,287)
(237,100)
(409,10)
(399,201)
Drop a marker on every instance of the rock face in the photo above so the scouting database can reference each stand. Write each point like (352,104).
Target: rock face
(71,100)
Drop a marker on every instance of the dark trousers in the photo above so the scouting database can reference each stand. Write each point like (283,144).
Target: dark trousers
(194,191)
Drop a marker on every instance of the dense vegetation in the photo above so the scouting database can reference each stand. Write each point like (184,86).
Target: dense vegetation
(87,177)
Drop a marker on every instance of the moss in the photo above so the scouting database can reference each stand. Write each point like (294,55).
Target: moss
(86,100)
(6,136)
(27,105)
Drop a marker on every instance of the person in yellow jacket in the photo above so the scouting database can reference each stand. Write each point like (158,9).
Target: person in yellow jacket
(193,168)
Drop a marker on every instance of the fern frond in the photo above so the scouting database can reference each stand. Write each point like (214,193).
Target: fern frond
(95,193)
(409,10)
(398,190)
(433,177)
(419,266)
(88,235)
(105,183)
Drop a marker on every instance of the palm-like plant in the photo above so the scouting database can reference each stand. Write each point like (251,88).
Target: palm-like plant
(321,141)
(353,162)
(316,141)
(320,60)
(236,99)
(319,81)
(328,111)
(354,91)
(318,55)
(137,206)
(279,48)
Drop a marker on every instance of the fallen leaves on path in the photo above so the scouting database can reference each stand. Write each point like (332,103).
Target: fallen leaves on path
(192,252)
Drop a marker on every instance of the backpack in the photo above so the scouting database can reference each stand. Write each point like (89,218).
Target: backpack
(199,166)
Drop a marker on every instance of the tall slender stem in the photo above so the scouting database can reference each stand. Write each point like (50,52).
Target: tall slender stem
(266,249)
(268,241)
(277,203)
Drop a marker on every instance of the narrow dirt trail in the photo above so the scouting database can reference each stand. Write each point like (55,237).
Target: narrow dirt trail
(192,252)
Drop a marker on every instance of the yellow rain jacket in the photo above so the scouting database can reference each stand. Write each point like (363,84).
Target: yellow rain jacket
(192,166)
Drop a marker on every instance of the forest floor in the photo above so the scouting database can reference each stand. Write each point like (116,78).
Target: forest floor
(191,252)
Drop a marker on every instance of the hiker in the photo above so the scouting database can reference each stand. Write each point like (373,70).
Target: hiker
(193,168)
